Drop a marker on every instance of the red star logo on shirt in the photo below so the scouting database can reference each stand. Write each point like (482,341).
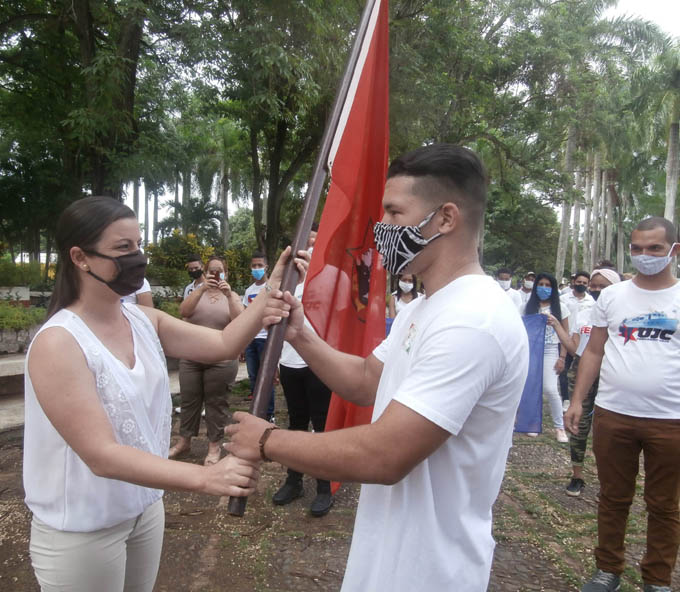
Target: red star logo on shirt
(628,333)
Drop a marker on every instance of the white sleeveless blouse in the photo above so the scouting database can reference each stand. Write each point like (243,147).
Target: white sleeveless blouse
(60,488)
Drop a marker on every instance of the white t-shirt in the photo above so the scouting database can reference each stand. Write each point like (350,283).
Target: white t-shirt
(515,297)
(552,340)
(400,304)
(640,374)
(524,296)
(250,294)
(582,327)
(460,359)
(576,305)
(189,288)
(289,357)
(132,298)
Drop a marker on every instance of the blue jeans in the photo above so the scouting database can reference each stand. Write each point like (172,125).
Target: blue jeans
(253,357)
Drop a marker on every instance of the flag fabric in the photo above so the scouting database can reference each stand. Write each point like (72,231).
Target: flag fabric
(530,413)
(344,295)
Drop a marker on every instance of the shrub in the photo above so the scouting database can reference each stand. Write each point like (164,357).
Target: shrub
(25,274)
(167,276)
(18,317)
(173,251)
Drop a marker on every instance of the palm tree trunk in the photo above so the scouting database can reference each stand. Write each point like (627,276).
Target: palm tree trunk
(155,217)
(224,201)
(566,203)
(597,175)
(619,233)
(601,234)
(576,230)
(587,197)
(609,222)
(48,255)
(146,216)
(135,197)
(673,163)
(563,240)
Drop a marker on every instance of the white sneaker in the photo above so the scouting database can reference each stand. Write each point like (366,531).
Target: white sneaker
(565,406)
(561,436)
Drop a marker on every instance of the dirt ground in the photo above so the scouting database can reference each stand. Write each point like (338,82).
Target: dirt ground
(544,538)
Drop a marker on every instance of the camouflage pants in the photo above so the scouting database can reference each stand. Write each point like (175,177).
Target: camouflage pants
(578,442)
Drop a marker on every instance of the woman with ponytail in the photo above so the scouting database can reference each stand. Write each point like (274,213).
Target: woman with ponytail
(97,415)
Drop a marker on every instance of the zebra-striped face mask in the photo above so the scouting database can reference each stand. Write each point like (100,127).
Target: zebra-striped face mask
(399,245)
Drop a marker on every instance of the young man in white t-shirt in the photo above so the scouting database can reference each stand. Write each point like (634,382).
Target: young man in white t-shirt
(504,279)
(195,271)
(635,346)
(255,349)
(445,386)
(526,287)
(577,300)
(579,336)
(142,296)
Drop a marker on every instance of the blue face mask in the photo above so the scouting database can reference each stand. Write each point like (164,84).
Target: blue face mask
(543,292)
(258,274)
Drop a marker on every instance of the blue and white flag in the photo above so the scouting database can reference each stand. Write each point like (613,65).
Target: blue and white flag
(530,413)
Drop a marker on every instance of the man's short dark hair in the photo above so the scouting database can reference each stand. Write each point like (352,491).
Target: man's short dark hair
(503,270)
(578,274)
(194,257)
(315,227)
(445,172)
(259,255)
(659,222)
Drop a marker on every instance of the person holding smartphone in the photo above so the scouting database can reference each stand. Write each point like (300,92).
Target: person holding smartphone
(212,304)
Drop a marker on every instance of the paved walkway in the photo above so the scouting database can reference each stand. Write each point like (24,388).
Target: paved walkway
(12,405)
(12,365)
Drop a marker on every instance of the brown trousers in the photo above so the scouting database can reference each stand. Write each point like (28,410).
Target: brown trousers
(617,442)
(209,385)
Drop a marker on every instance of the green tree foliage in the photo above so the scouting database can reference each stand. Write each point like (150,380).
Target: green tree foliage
(228,98)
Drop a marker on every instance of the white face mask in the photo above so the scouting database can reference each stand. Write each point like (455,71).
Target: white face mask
(505,284)
(649,264)
(405,286)
(528,285)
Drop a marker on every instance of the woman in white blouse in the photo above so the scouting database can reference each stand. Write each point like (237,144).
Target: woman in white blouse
(98,406)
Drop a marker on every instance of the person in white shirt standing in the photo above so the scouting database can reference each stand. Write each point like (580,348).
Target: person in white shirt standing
(195,271)
(255,349)
(576,300)
(142,296)
(527,286)
(635,346)
(445,386)
(504,279)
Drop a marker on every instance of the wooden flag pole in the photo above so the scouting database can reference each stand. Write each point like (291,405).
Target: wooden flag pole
(272,350)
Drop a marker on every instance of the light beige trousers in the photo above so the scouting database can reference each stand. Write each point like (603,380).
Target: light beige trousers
(121,558)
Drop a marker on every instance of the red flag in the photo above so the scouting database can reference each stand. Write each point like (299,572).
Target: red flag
(344,296)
